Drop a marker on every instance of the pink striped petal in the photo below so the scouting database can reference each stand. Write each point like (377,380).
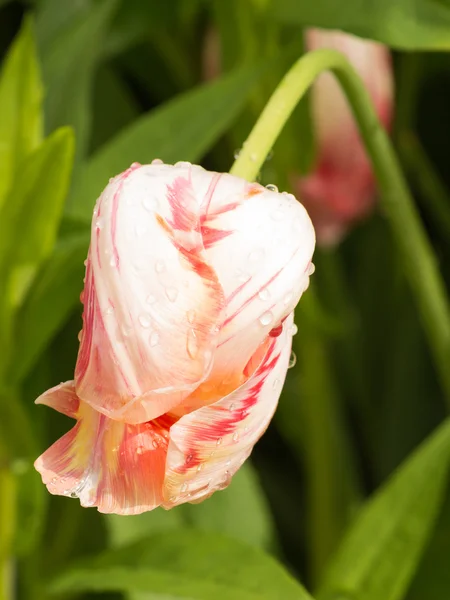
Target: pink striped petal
(152,302)
(116,467)
(261,250)
(209,445)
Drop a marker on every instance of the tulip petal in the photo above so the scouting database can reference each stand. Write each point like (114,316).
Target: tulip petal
(209,445)
(62,398)
(152,302)
(117,467)
(261,250)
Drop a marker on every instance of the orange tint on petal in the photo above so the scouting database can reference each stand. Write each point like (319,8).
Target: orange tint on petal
(116,467)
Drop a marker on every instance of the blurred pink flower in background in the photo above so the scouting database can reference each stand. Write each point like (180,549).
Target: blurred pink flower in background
(191,282)
(341,188)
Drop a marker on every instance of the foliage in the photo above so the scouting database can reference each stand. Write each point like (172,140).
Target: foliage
(346,495)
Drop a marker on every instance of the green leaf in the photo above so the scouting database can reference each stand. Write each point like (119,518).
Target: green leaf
(380,552)
(70,42)
(187,564)
(49,302)
(407,24)
(20,106)
(183,129)
(240,511)
(34,206)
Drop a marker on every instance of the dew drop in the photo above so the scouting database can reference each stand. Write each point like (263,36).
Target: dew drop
(191,316)
(151,204)
(235,436)
(80,335)
(275,384)
(242,276)
(294,329)
(172,293)
(271,187)
(269,156)
(184,488)
(228,463)
(114,261)
(140,450)
(189,457)
(140,229)
(144,320)
(253,157)
(159,266)
(219,441)
(154,339)
(288,298)
(264,294)
(155,444)
(292,360)
(311,268)
(200,467)
(135,165)
(99,223)
(237,153)
(266,318)
(109,310)
(157,161)
(192,344)
(182,163)
(150,299)
(126,330)
(232,406)
(73,495)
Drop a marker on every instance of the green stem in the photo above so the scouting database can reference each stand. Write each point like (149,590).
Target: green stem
(7,524)
(422,270)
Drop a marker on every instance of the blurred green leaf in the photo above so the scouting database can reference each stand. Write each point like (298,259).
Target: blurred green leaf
(407,24)
(432,578)
(70,43)
(31,214)
(183,129)
(240,511)
(50,301)
(31,504)
(380,552)
(186,564)
(20,106)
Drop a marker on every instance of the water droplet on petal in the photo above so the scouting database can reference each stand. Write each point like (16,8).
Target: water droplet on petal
(189,457)
(288,298)
(192,344)
(232,406)
(151,204)
(235,436)
(140,450)
(311,268)
(155,444)
(271,187)
(159,266)
(200,467)
(109,310)
(191,316)
(219,441)
(144,320)
(140,229)
(73,495)
(157,161)
(80,335)
(182,163)
(264,294)
(292,360)
(114,261)
(99,223)
(135,165)
(294,329)
(266,318)
(172,293)
(154,339)
(150,299)
(184,488)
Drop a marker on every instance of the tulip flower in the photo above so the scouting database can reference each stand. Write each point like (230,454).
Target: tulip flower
(191,281)
(341,188)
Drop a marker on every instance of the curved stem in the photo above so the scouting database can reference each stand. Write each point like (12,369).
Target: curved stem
(419,260)
(7,522)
